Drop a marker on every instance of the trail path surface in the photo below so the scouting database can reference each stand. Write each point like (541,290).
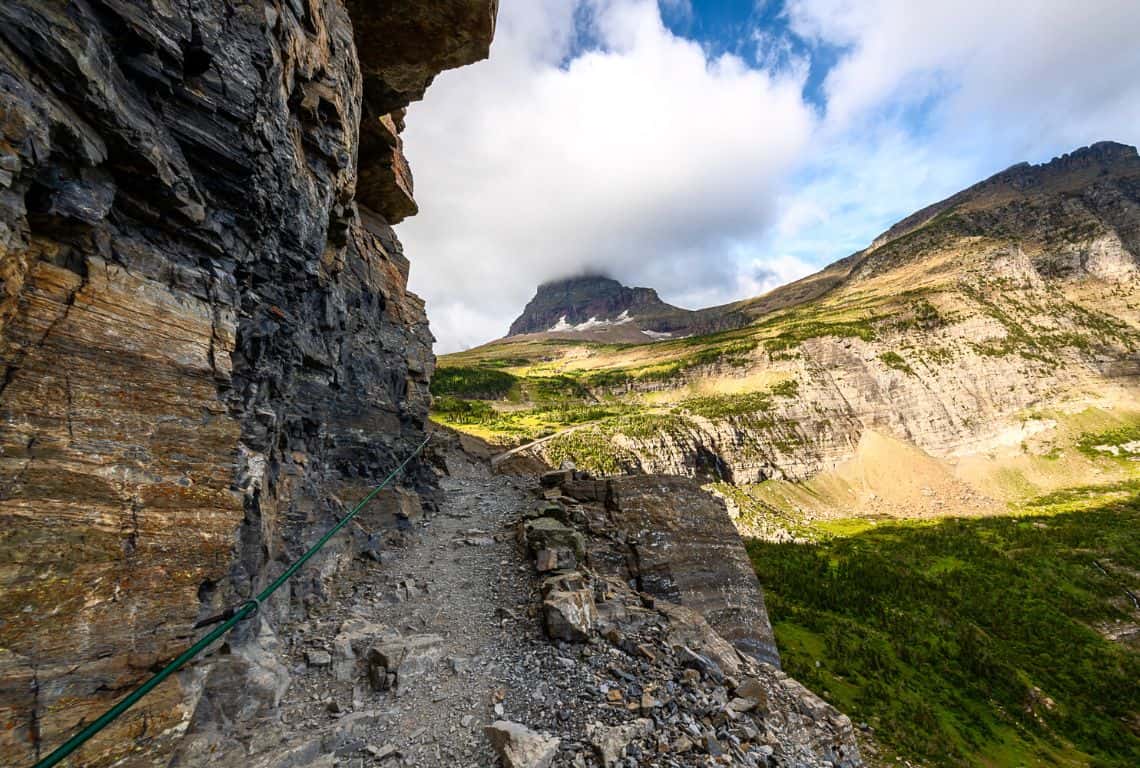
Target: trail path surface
(499,458)
(458,592)
(406,660)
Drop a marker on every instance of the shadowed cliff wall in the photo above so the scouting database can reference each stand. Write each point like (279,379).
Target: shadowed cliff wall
(208,346)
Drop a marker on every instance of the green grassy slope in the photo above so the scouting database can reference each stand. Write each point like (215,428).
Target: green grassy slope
(972,642)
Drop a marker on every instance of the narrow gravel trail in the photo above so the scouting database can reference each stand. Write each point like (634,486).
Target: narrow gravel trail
(414,648)
(459,588)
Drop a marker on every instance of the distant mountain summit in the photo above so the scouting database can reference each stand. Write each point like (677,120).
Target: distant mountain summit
(1069,175)
(1074,216)
(598,308)
(585,302)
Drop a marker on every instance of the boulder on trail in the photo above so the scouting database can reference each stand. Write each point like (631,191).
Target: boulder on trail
(406,658)
(548,533)
(609,742)
(520,747)
(569,615)
(557,559)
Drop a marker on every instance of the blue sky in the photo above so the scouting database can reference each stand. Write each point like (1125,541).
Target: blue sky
(714,150)
(730,26)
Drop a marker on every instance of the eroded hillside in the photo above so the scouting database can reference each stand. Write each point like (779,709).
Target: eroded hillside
(980,343)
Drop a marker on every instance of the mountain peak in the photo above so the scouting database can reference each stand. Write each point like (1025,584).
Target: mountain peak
(584,302)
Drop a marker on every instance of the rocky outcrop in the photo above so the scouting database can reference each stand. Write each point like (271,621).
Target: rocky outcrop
(207,337)
(1070,173)
(687,647)
(402,47)
(667,537)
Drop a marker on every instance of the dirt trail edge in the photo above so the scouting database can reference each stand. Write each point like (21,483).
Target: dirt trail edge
(504,629)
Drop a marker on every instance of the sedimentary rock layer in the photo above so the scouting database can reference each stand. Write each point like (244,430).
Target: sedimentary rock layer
(677,542)
(207,341)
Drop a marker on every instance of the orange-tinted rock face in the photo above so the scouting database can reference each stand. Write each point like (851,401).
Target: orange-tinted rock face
(207,343)
(117,505)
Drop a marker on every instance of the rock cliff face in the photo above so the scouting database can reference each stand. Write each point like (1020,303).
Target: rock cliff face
(677,543)
(206,334)
(653,566)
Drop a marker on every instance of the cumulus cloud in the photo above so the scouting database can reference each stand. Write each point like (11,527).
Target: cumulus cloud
(1033,74)
(928,98)
(596,138)
(639,156)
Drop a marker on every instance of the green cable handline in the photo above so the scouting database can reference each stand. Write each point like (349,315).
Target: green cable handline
(242,612)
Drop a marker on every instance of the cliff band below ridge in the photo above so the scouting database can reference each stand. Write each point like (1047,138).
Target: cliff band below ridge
(208,345)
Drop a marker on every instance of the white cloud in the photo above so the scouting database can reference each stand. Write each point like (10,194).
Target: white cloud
(856,184)
(1034,75)
(641,157)
(930,98)
(594,138)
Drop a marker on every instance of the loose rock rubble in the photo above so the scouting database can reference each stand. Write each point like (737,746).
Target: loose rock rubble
(650,682)
(433,652)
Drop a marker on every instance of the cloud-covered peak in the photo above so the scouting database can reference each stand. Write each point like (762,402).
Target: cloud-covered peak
(640,157)
(713,157)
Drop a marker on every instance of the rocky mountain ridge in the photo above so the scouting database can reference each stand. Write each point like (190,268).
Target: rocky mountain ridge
(590,306)
(1065,174)
(985,333)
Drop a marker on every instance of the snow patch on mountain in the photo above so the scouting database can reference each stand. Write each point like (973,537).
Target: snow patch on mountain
(563,325)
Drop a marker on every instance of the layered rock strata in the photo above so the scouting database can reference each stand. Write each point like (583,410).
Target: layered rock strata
(661,579)
(662,535)
(207,340)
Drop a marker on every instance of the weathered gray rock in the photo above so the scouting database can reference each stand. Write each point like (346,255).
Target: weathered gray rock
(708,701)
(610,742)
(549,533)
(557,559)
(751,695)
(557,477)
(318,658)
(678,543)
(407,659)
(519,747)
